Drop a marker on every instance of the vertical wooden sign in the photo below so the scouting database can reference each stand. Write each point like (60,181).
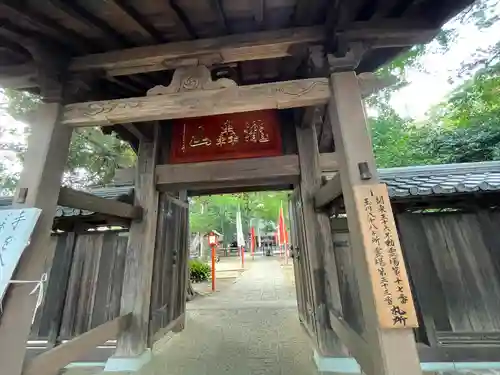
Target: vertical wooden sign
(393,298)
(16,227)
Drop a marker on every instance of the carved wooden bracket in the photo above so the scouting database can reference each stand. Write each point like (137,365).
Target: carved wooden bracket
(351,59)
(195,78)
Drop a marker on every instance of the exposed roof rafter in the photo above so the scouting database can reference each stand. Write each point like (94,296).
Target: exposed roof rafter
(218,8)
(63,35)
(183,17)
(82,15)
(140,20)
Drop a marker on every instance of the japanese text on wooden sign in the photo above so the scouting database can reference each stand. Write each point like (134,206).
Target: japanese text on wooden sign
(16,227)
(230,136)
(394,303)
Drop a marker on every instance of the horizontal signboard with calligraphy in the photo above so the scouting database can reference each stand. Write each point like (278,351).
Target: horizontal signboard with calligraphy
(393,298)
(231,136)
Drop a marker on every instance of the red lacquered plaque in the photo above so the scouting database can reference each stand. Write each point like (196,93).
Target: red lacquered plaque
(232,136)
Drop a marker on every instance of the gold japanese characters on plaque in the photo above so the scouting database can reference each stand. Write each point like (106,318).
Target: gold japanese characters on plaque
(394,303)
(231,136)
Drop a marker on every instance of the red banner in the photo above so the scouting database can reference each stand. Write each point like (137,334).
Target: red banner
(231,136)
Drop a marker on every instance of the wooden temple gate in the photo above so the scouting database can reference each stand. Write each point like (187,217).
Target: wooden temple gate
(317,88)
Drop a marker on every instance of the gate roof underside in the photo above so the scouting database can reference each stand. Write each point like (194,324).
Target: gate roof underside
(78,28)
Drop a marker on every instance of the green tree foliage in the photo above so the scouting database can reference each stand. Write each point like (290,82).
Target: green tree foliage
(464,128)
(218,212)
(93,157)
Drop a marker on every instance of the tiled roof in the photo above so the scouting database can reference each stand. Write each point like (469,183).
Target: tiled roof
(110,192)
(446,179)
(402,182)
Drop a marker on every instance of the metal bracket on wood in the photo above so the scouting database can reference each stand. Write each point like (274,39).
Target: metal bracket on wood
(364,171)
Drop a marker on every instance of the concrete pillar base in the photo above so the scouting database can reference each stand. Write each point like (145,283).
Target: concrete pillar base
(128,364)
(336,365)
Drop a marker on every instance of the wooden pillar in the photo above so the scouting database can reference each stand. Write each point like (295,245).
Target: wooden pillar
(318,238)
(392,351)
(132,351)
(39,185)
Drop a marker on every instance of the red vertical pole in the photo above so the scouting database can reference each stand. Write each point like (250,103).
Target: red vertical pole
(252,242)
(213,268)
(242,257)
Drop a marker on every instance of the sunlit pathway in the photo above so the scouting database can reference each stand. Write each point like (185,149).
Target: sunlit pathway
(251,327)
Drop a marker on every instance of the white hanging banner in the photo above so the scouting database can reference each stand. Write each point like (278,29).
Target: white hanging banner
(16,227)
(240,238)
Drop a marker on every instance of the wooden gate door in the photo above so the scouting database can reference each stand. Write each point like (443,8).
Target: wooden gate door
(170,272)
(303,277)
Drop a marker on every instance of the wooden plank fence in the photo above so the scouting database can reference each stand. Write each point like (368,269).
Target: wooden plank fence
(454,269)
(454,265)
(84,286)
(86,275)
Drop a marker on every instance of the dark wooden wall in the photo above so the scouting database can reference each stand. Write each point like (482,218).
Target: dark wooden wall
(84,286)
(453,261)
(348,287)
(85,278)
(170,273)
(454,265)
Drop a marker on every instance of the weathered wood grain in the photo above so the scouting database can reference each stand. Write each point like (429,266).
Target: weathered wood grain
(457,289)
(356,344)
(223,50)
(427,286)
(318,242)
(348,286)
(277,95)
(56,289)
(137,279)
(48,363)
(392,351)
(69,197)
(45,160)
(301,263)
(170,265)
(178,176)
(328,192)
(328,162)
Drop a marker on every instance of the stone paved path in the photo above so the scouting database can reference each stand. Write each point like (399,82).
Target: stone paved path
(251,327)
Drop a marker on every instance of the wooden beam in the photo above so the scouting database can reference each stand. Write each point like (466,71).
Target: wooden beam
(134,131)
(85,201)
(328,162)
(136,289)
(389,33)
(19,76)
(228,172)
(393,351)
(50,362)
(81,14)
(218,8)
(66,36)
(352,340)
(277,95)
(318,240)
(183,18)
(328,192)
(227,49)
(140,20)
(39,184)
(169,327)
